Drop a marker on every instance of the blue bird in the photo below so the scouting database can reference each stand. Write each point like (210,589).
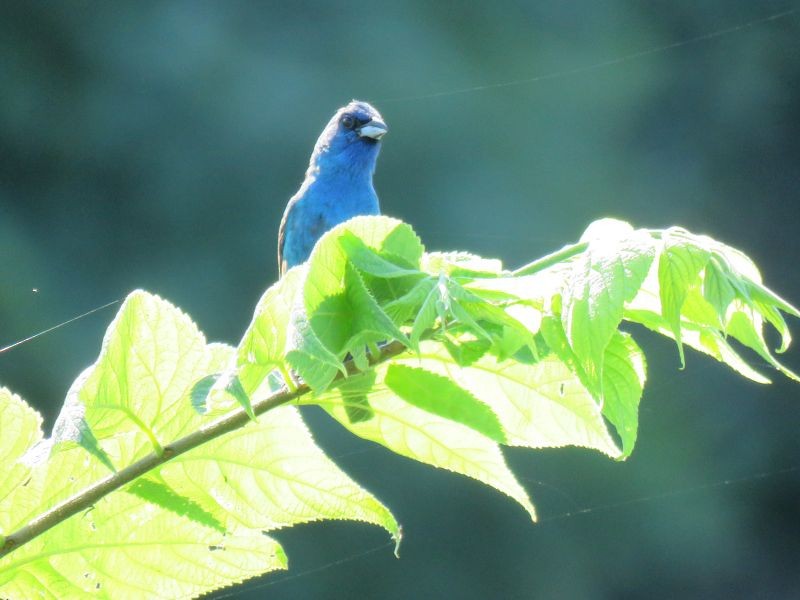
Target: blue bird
(338,182)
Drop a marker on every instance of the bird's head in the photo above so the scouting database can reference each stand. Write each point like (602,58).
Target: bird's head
(351,140)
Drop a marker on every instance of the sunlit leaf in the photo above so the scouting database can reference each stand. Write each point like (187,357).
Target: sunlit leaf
(538,405)
(442,396)
(624,375)
(151,357)
(21,430)
(424,436)
(608,274)
(270,475)
(679,268)
(126,546)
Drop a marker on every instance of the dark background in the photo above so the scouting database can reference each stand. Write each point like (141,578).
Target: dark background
(154,145)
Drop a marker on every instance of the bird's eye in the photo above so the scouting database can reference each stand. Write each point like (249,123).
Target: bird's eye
(348,122)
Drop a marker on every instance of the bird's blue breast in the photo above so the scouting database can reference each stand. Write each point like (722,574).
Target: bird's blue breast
(323,204)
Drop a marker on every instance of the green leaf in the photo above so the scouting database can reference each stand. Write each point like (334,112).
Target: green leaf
(539,405)
(514,325)
(369,261)
(623,378)
(554,336)
(327,264)
(342,313)
(698,311)
(21,430)
(269,475)
(371,324)
(347,322)
(702,339)
(767,296)
(624,375)
(442,396)
(201,391)
(72,428)
(220,496)
(431,308)
(230,384)
(705,318)
(462,306)
(680,264)
(266,341)
(717,289)
(152,356)
(536,289)
(358,408)
(608,274)
(404,307)
(157,492)
(747,328)
(466,351)
(128,547)
(423,436)
(768,304)
(137,396)
(389,237)
(316,364)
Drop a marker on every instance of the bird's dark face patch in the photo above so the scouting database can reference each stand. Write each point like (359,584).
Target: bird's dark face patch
(355,117)
(352,122)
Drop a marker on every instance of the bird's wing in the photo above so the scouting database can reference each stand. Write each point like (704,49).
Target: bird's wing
(314,225)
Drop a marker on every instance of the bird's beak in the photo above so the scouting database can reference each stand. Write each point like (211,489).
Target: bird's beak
(373,129)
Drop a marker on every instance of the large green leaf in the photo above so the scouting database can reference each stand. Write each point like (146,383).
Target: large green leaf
(624,375)
(442,396)
(342,312)
(419,434)
(269,475)
(539,405)
(127,547)
(152,355)
(605,276)
(21,430)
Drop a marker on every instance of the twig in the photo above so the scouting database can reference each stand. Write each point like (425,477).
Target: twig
(551,259)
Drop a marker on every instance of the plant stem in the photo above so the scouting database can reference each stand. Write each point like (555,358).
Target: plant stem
(230,422)
(287,378)
(551,259)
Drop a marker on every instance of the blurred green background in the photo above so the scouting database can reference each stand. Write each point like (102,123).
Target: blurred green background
(154,145)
